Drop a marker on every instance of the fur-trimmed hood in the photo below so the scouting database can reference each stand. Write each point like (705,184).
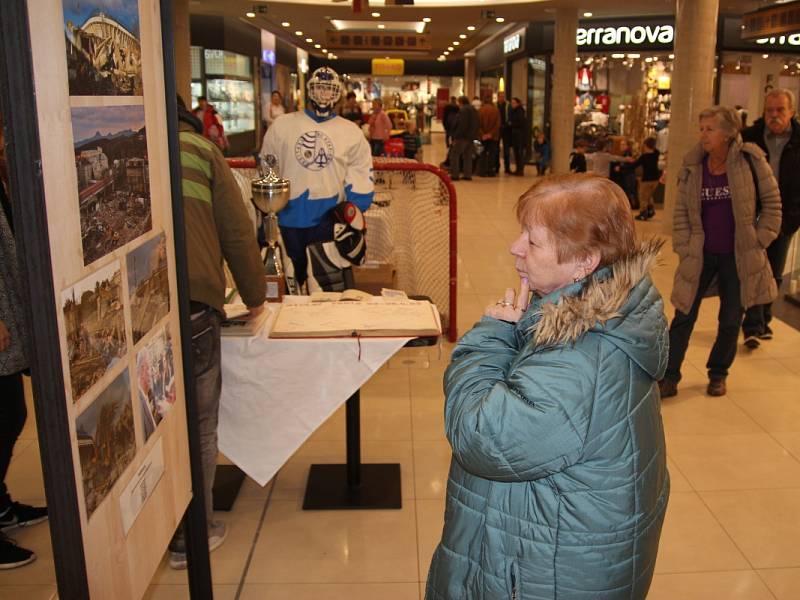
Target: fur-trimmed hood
(619,301)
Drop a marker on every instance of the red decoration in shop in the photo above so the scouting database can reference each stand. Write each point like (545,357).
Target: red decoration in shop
(360,5)
(602,102)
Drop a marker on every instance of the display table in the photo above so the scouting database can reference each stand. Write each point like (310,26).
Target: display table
(275,393)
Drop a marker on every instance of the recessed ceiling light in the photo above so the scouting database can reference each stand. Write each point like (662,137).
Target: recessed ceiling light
(456,43)
(765,56)
(386,57)
(587,14)
(376,14)
(381,26)
(285,24)
(450,48)
(309,40)
(445,53)
(471,28)
(426,19)
(500,20)
(671,56)
(250,14)
(577,59)
(317,46)
(324,50)
(463,36)
(298,33)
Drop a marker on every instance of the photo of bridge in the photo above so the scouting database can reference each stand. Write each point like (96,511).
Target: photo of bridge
(104,57)
(113,177)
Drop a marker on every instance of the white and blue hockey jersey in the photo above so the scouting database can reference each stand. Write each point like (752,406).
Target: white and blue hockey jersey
(326,161)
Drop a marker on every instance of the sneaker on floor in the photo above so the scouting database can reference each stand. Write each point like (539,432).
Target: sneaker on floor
(12,556)
(751,342)
(668,388)
(716,387)
(217,532)
(766,334)
(22,515)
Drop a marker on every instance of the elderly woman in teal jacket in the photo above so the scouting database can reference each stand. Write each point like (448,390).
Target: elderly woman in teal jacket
(558,483)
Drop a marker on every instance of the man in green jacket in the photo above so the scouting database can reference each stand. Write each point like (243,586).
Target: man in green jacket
(217,228)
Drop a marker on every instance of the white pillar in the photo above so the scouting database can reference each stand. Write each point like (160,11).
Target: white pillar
(692,85)
(562,122)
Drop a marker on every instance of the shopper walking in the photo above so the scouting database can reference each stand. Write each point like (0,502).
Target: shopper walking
(517,122)
(14,345)
(716,236)
(465,131)
(217,228)
(489,118)
(558,482)
(380,128)
(648,161)
(778,134)
(505,133)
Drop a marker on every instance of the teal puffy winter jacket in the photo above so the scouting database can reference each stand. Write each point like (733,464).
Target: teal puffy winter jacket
(558,483)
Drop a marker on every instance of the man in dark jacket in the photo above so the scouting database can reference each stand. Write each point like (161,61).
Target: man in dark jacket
(778,134)
(449,115)
(516,120)
(505,132)
(217,228)
(464,132)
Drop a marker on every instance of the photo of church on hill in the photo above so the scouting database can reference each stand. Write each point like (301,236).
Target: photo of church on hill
(113,178)
(104,56)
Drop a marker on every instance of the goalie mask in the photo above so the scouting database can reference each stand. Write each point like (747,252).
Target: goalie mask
(348,232)
(324,89)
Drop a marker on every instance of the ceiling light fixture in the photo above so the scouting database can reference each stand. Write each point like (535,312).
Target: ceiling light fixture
(376,14)
(250,14)
(450,48)
(587,14)
(324,50)
(317,46)
(426,19)
(298,33)
(672,57)
(309,40)
(471,28)
(463,36)
(456,43)
(500,20)
(765,56)
(286,24)
(381,26)
(445,53)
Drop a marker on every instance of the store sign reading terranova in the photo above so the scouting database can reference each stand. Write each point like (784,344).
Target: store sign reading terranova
(512,43)
(627,36)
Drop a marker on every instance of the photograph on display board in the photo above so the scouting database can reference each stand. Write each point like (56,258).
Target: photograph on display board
(148,285)
(106,440)
(155,375)
(113,178)
(104,56)
(95,326)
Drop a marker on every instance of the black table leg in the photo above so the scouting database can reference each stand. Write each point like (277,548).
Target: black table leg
(353,485)
(227,481)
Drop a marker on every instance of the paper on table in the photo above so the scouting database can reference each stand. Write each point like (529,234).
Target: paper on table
(381,318)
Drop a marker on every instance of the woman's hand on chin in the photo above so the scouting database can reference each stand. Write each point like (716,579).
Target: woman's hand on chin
(512,306)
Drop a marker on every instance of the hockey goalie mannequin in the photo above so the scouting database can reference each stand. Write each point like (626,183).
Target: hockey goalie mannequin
(327,160)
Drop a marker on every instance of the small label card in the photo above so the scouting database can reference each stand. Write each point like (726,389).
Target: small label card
(141,486)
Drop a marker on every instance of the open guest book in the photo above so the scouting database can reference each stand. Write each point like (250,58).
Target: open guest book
(300,317)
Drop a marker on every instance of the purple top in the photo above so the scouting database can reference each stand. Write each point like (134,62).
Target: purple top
(717,212)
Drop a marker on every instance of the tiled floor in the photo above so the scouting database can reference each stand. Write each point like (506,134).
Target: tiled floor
(733,525)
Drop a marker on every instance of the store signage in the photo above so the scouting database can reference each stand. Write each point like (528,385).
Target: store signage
(388,66)
(367,40)
(780,40)
(628,36)
(268,56)
(776,20)
(512,43)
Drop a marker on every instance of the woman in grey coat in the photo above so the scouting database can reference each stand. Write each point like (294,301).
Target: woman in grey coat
(727,212)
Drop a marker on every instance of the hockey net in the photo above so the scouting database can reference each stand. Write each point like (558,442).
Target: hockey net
(411,227)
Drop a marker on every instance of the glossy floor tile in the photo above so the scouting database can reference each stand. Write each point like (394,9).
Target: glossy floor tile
(733,523)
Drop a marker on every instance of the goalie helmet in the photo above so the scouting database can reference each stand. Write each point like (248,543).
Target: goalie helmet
(348,232)
(324,89)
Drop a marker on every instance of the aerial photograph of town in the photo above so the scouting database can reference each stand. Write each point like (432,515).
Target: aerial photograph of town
(104,56)
(113,178)
(95,326)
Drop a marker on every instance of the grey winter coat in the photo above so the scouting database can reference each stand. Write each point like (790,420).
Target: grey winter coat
(14,358)
(558,484)
(757,285)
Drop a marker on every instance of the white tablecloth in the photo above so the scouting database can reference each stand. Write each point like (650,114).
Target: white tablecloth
(275,393)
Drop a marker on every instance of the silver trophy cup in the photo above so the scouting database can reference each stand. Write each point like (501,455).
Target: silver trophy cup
(270,196)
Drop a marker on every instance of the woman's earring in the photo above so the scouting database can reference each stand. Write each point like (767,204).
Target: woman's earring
(576,279)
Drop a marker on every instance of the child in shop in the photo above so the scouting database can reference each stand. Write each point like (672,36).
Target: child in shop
(412,142)
(577,161)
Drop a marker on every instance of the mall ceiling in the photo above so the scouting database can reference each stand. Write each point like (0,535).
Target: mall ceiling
(450,20)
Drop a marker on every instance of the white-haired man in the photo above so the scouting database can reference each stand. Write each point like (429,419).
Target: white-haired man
(778,134)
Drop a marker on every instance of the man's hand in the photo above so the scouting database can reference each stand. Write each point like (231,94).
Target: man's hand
(254,312)
(512,306)
(5,337)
